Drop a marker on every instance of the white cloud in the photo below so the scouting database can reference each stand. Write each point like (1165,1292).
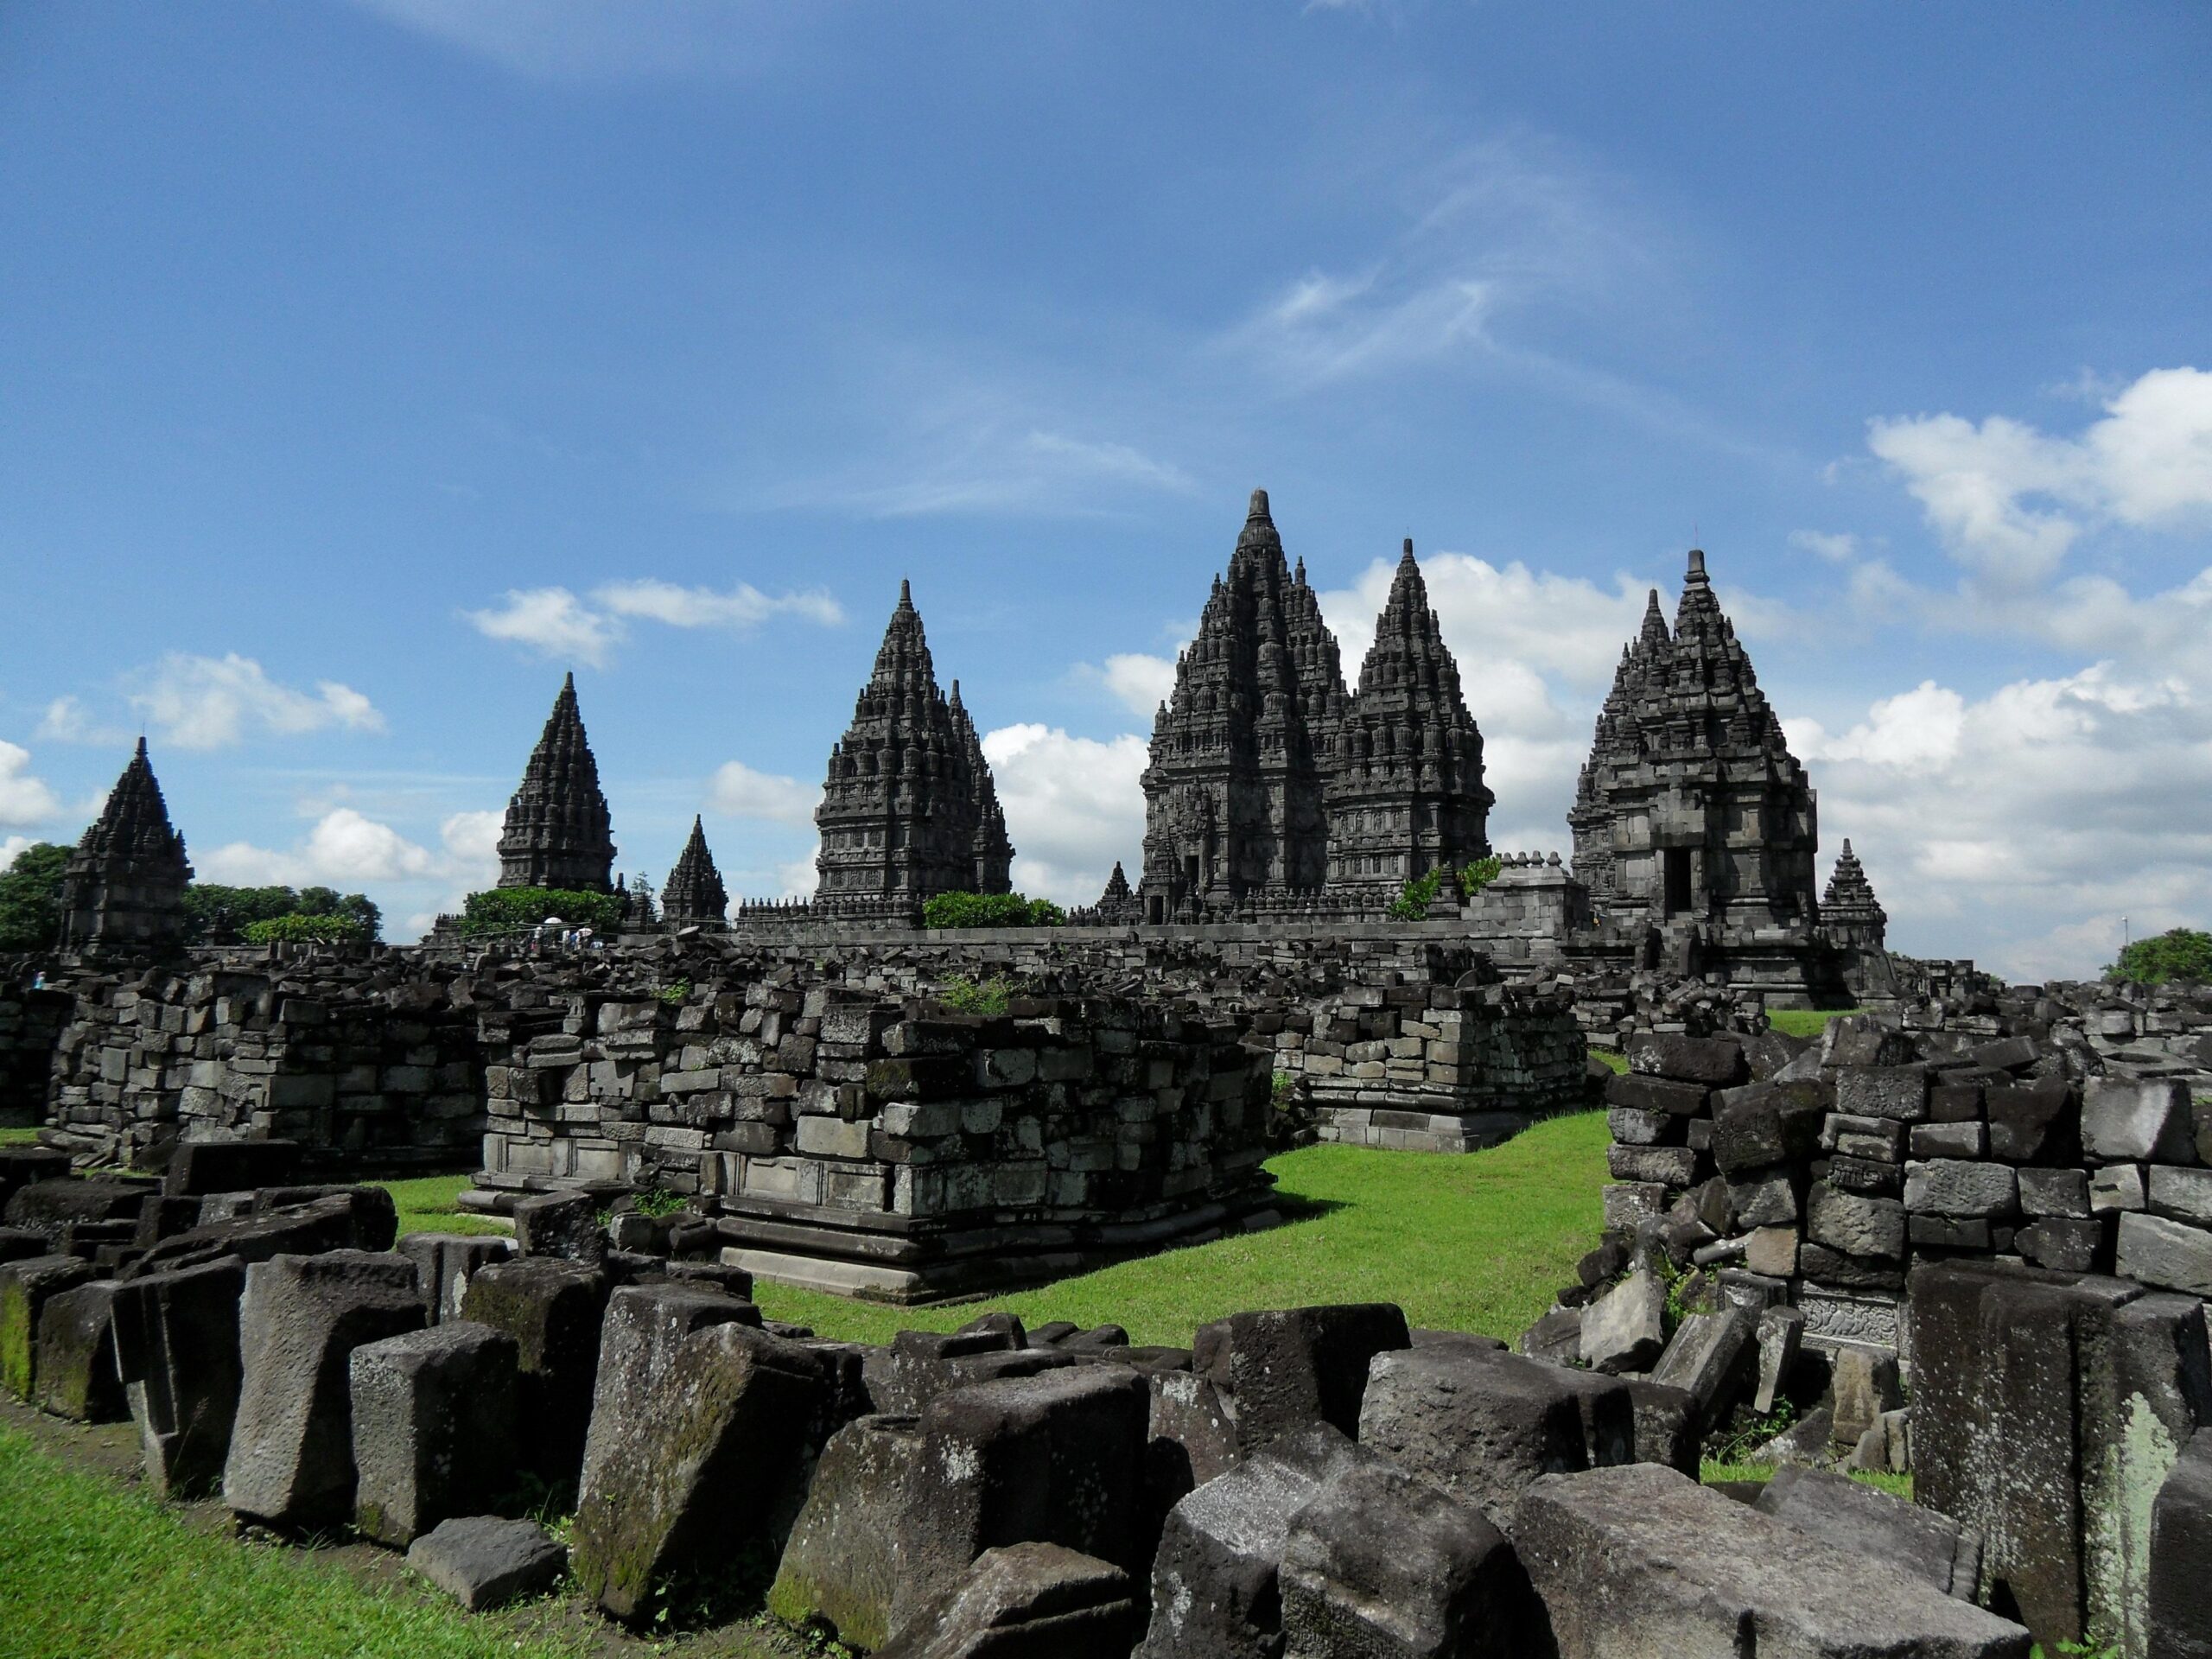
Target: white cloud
(11,848)
(598,40)
(1072,807)
(1835,549)
(737,790)
(2010,502)
(551,621)
(67,720)
(25,799)
(211,702)
(1141,683)
(743,608)
(1324,327)
(975,450)
(554,623)
(344,849)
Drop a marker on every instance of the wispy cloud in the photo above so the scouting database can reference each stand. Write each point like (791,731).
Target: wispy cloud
(738,791)
(600,39)
(212,702)
(553,622)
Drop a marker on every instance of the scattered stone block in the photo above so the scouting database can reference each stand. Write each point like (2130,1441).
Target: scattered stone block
(176,1350)
(2171,1255)
(1898,1093)
(2063,1243)
(52,1208)
(702,1434)
(1947,1186)
(565,1225)
(484,1562)
(434,1428)
(1667,1427)
(2179,1608)
(1932,1547)
(1053,1458)
(1481,1426)
(1781,1336)
(1642,1561)
(2137,1120)
(1028,1598)
(1625,1330)
(1712,1358)
(2180,1194)
(1215,1581)
(197,1167)
(27,1285)
(842,1565)
(2054,1192)
(1284,1371)
(552,1309)
(445,1262)
(1716,1062)
(1862,1385)
(1763,1126)
(1627,1203)
(1557,1336)
(2116,1187)
(75,1375)
(291,1455)
(2029,1122)
(1854,1224)
(1771,1252)
(1382,1565)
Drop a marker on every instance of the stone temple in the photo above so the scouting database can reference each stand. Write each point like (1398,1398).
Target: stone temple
(123,892)
(908,810)
(557,832)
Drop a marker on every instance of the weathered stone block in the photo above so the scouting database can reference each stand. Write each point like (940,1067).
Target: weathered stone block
(1711,1357)
(1028,1598)
(1625,1329)
(2054,1192)
(1480,1426)
(483,1561)
(434,1428)
(291,1454)
(176,1349)
(1898,1093)
(701,1455)
(2178,1610)
(444,1262)
(1286,1369)
(2031,1123)
(1853,1223)
(1640,1559)
(75,1375)
(1716,1062)
(1947,1186)
(1931,1547)
(563,1225)
(200,1166)
(2131,1120)
(552,1308)
(1672,1167)
(843,1563)
(1382,1565)
(27,1286)
(2180,1194)
(2171,1255)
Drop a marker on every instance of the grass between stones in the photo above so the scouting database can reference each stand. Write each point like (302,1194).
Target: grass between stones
(427,1205)
(1806,1022)
(1473,1241)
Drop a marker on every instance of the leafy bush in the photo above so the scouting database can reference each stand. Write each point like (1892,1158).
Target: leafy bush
(306,929)
(675,994)
(516,909)
(990,910)
(212,909)
(990,995)
(2182,954)
(1411,904)
(30,897)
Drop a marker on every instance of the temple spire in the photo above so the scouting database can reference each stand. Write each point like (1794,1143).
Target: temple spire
(557,828)
(123,889)
(694,892)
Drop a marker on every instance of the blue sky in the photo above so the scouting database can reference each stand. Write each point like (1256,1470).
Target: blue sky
(364,363)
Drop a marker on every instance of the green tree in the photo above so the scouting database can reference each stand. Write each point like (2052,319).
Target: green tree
(30,897)
(2182,953)
(990,910)
(516,909)
(214,909)
(299,929)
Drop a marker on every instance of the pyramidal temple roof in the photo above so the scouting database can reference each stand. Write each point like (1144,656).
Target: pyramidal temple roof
(694,891)
(135,822)
(557,829)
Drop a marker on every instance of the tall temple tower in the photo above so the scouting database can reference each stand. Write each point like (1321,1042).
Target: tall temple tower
(1691,807)
(900,819)
(557,833)
(123,889)
(1234,798)
(1405,787)
(992,852)
(695,893)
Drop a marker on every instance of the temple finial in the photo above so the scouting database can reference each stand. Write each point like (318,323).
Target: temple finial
(1259,508)
(1696,572)
(906,593)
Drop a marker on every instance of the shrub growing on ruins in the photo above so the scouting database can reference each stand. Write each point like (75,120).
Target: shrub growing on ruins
(990,910)
(2183,953)
(30,897)
(213,910)
(298,929)
(516,909)
(1413,903)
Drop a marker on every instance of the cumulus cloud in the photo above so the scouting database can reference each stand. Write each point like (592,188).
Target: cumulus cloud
(66,720)
(1072,807)
(743,608)
(2010,501)
(344,848)
(24,798)
(553,622)
(212,702)
(1836,549)
(1141,683)
(737,790)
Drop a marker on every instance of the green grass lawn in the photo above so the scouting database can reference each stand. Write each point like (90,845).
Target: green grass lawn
(22,1137)
(94,1568)
(426,1205)
(1806,1022)
(1476,1242)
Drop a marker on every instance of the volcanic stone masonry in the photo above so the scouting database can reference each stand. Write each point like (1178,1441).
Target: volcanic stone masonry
(123,892)
(556,832)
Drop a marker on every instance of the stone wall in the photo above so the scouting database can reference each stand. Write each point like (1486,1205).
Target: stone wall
(30,1024)
(362,1059)
(2065,1127)
(862,1142)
